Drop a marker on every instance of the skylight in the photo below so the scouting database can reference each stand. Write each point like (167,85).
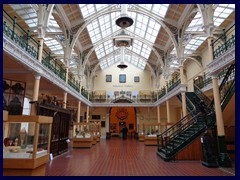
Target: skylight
(52,44)
(109,61)
(103,26)
(136,61)
(158,9)
(28,14)
(196,24)
(89,9)
(194,44)
(222,12)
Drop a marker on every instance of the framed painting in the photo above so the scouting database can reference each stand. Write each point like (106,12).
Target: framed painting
(122,78)
(136,79)
(108,78)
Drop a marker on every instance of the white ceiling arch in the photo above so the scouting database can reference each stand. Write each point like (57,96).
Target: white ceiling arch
(116,52)
(121,36)
(115,8)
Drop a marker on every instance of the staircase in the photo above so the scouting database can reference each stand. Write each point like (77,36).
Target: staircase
(194,124)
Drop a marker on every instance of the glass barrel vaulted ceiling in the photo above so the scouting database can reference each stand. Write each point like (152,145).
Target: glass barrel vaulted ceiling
(144,27)
(104,26)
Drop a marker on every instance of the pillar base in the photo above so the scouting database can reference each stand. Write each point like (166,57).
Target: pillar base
(224,159)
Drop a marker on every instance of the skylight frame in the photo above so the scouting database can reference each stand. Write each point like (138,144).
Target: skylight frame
(144,26)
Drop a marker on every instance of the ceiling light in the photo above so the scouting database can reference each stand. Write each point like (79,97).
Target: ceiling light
(122,66)
(124,21)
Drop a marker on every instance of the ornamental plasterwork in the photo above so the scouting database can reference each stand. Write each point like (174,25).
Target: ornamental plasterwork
(222,61)
(76,28)
(172,28)
(187,38)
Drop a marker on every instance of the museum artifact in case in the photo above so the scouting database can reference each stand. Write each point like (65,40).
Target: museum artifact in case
(82,135)
(26,145)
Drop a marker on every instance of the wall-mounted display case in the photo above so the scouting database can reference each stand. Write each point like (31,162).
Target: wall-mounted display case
(82,135)
(26,145)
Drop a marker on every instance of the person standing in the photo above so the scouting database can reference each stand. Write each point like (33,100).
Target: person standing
(125,131)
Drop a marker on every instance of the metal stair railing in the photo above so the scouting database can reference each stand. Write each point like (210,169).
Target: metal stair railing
(202,96)
(227,84)
(176,128)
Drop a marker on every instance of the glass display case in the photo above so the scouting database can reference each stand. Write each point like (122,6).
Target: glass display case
(82,135)
(150,131)
(97,131)
(26,145)
(141,132)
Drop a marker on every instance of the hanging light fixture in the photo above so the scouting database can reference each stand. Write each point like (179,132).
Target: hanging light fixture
(124,21)
(122,66)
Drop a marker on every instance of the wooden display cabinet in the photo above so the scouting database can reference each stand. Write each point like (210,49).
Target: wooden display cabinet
(82,135)
(60,126)
(148,132)
(5,118)
(27,145)
(150,140)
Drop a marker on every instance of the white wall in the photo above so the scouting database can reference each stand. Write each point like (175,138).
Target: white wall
(131,71)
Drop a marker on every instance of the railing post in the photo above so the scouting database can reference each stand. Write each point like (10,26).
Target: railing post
(38,46)
(212,45)
(14,24)
(4,25)
(27,39)
(225,40)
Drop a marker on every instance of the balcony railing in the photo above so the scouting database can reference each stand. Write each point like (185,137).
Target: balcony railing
(208,80)
(20,36)
(23,39)
(53,65)
(225,42)
(172,84)
(74,83)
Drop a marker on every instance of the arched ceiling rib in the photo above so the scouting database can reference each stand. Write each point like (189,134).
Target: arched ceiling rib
(176,18)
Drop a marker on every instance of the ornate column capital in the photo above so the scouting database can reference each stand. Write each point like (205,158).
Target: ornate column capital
(37,76)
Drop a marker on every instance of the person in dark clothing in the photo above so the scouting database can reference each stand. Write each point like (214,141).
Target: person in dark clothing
(125,131)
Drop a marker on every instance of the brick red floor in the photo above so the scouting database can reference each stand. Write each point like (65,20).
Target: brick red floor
(117,157)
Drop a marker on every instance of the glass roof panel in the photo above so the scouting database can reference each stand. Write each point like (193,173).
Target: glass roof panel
(222,12)
(194,44)
(103,26)
(196,23)
(54,45)
(28,14)
(158,9)
(89,9)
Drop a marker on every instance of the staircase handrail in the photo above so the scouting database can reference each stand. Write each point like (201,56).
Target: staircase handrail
(223,83)
(202,96)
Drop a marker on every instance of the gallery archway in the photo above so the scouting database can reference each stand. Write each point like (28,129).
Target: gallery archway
(120,116)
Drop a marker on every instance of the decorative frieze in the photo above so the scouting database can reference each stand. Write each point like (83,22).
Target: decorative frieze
(222,61)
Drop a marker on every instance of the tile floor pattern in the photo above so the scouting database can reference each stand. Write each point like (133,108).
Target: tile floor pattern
(117,157)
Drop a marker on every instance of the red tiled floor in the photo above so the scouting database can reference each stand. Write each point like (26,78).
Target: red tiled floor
(117,157)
